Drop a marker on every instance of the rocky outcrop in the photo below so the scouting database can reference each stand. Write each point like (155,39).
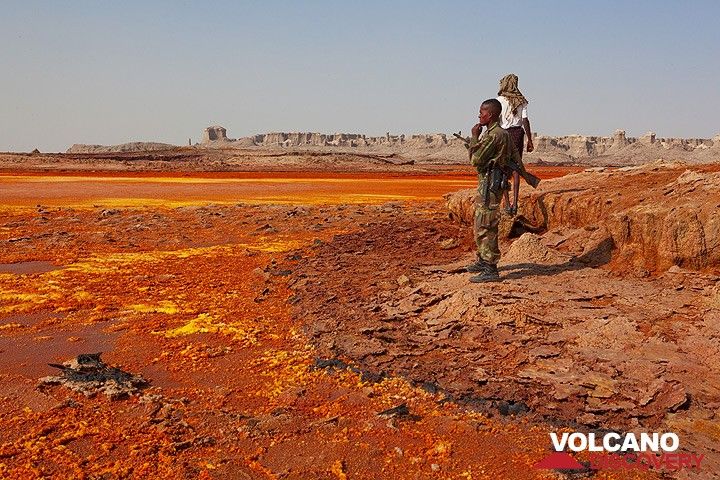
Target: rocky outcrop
(647,139)
(298,139)
(215,133)
(615,150)
(581,146)
(653,217)
(578,146)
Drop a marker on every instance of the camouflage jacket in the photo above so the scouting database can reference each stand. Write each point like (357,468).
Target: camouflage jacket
(494,145)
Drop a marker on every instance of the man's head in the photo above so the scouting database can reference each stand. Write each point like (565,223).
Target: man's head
(489,111)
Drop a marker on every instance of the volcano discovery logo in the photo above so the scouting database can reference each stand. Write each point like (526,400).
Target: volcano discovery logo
(613,451)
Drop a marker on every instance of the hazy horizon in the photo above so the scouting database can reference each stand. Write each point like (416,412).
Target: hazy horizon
(98,72)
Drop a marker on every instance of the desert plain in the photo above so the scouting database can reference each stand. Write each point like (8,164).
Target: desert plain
(296,306)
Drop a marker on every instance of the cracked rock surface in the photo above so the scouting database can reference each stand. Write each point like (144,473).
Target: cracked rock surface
(564,337)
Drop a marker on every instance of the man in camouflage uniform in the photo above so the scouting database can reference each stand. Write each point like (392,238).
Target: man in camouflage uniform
(489,151)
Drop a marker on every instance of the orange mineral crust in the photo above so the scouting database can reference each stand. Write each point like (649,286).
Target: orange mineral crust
(127,189)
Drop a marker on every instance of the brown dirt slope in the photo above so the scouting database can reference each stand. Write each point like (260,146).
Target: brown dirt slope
(650,217)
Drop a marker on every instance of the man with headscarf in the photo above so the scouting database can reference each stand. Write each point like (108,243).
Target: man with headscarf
(514,119)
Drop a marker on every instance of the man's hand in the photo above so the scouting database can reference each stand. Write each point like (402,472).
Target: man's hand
(476,129)
(528,135)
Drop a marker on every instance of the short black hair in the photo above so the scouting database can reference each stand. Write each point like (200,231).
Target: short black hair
(492,104)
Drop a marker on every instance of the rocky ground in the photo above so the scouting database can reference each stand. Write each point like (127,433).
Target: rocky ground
(607,320)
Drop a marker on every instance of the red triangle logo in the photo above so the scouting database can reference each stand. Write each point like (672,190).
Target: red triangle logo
(559,461)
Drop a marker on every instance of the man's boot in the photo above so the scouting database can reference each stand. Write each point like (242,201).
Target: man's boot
(478,266)
(489,273)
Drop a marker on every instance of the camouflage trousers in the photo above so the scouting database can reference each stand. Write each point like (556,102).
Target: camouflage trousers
(485,228)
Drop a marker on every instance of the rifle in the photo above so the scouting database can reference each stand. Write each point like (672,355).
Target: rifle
(466,141)
(510,164)
(531,179)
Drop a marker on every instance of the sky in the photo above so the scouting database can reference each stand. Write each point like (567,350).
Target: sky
(108,72)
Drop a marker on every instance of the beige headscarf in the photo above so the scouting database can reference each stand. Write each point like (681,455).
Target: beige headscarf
(509,89)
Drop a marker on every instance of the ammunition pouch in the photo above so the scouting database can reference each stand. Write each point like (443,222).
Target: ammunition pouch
(495,182)
(498,180)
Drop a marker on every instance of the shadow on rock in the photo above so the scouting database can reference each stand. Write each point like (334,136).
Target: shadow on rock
(596,257)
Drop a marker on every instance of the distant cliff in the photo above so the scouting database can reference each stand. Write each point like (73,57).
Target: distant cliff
(577,146)
(580,146)
(617,149)
(216,135)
